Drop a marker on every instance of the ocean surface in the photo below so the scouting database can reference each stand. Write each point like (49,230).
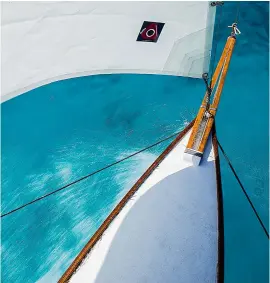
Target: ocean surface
(59,132)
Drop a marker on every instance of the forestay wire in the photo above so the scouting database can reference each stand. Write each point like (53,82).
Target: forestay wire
(237,12)
(214,50)
(217,31)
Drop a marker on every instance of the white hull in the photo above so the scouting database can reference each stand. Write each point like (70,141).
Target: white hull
(168,231)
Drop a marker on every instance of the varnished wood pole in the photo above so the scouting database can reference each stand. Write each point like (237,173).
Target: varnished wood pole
(214,105)
(199,136)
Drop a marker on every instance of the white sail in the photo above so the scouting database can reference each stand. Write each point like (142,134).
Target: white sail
(44,42)
(168,231)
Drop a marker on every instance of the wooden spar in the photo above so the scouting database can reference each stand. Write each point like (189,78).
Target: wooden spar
(205,119)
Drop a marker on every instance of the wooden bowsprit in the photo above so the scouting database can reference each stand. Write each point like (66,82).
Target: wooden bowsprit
(206,115)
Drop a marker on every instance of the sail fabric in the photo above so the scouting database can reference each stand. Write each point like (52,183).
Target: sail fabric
(44,42)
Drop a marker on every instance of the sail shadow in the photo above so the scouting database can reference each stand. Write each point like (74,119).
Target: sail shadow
(169,234)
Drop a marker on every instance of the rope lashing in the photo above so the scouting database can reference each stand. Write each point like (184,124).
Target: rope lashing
(208,90)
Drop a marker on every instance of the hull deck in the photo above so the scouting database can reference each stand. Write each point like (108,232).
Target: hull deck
(168,231)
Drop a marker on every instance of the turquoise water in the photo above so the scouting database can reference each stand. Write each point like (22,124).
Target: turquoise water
(59,132)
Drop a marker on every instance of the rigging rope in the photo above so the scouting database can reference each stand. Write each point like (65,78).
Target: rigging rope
(243,189)
(88,175)
(237,13)
(217,41)
(127,157)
